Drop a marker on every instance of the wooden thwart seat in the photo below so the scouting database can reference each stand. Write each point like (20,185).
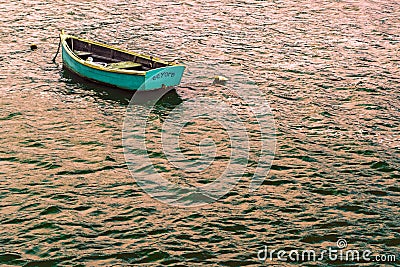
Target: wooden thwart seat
(125,65)
(82,53)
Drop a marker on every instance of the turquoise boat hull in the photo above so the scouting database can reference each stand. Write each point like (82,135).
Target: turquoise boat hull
(161,77)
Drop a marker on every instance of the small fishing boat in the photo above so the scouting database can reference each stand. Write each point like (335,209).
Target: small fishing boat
(117,67)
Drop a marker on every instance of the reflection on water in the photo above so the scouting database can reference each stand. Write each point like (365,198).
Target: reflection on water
(330,70)
(116,94)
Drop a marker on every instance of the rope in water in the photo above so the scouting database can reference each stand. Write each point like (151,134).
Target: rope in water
(58,50)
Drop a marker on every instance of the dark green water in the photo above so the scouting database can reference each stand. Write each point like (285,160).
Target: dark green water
(329,69)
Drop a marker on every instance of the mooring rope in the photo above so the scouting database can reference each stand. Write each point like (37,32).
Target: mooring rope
(58,50)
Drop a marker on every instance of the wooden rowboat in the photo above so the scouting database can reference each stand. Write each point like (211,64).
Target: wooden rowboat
(117,67)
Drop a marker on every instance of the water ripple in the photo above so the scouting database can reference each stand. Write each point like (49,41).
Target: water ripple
(330,69)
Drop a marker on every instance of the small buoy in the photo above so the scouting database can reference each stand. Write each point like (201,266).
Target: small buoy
(33,47)
(220,80)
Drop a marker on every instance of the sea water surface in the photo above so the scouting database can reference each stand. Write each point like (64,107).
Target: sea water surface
(330,70)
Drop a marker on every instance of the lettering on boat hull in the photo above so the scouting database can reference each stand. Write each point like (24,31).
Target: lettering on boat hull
(164,74)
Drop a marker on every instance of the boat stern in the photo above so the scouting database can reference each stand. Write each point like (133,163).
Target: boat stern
(163,77)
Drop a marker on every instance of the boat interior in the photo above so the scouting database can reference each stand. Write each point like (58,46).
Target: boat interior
(110,58)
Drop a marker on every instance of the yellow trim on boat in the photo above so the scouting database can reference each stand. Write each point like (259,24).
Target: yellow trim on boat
(64,36)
